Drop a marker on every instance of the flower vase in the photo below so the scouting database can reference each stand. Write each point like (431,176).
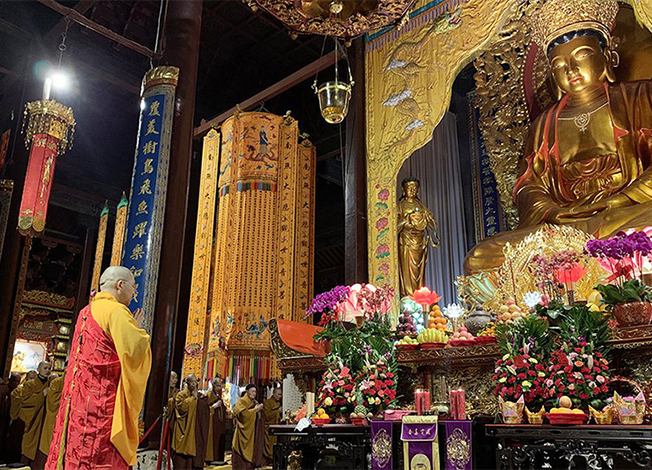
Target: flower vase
(359,320)
(633,313)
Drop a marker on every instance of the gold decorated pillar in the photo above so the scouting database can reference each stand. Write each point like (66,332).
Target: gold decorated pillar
(119,232)
(99,247)
(263,255)
(201,266)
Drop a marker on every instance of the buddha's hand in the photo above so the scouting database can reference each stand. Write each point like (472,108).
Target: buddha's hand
(562,215)
(613,202)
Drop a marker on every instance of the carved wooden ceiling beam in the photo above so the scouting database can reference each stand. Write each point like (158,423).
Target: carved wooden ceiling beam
(75,16)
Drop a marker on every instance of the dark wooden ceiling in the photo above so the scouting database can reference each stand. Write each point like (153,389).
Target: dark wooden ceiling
(242,53)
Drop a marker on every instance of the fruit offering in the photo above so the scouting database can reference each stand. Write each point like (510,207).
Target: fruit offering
(489,331)
(510,312)
(462,334)
(360,412)
(406,340)
(321,414)
(437,320)
(406,325)
(432,335)
(565,405)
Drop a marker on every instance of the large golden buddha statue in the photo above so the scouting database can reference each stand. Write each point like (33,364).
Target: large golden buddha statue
(587,160)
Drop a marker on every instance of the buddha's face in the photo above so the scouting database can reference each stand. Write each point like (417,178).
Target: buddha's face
(411,189)
(578,65)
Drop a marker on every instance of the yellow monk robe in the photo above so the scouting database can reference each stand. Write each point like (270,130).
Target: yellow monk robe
(185,422)
(132,343)
(272,413)
(30,401)
(106,336)
(244,420)
(51,410)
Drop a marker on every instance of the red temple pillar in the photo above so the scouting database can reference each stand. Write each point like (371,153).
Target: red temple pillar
(181,49)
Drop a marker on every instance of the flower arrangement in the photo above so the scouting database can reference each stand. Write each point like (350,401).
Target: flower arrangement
(336,389)
(578,371)
(624,257)
(520,375)
(579,367)
(558,273)
(374,300)
(357,354)
(376,383)
(346,303)
(326,304)
(521,371)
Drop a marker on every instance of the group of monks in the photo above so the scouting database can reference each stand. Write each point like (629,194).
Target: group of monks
(198,423)
(33,405)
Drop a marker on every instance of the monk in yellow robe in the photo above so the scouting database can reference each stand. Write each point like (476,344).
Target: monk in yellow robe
(272,410)
(30,401)
(246,453)
(51,409)
(104,388)
(190,427)
(217,423)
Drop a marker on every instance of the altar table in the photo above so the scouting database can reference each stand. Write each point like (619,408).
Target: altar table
(530,446)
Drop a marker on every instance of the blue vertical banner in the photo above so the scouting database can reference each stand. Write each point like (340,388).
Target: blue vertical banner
(487,210)
(143,235)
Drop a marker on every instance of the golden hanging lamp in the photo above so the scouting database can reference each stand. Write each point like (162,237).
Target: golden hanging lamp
(334,96)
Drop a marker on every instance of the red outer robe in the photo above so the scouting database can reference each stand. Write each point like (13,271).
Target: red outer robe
(87,402)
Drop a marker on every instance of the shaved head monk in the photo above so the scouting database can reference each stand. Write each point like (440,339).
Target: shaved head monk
(110,360)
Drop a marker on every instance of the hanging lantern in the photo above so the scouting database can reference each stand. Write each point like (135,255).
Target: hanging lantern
(334,96)
(49,127)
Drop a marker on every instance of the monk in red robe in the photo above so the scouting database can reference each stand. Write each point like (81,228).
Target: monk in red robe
(110,360)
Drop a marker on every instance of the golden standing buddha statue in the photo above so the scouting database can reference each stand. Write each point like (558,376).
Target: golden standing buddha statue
(414,222)
(588,159)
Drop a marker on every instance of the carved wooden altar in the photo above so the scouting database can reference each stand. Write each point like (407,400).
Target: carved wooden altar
(47,318)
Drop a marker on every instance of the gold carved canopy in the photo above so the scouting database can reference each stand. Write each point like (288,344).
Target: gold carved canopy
(409,78)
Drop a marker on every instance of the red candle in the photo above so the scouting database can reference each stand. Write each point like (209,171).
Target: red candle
(422,400)
(461,406)
(452,404)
